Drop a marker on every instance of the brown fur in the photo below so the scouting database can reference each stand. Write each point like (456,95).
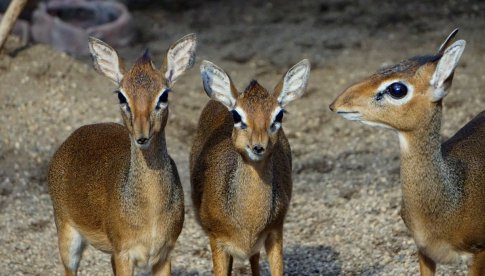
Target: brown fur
(443,185)
(240,203)
(110,193)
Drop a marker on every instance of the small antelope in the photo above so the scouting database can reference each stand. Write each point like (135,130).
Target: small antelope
(443,185)
(115,187)
(240,167)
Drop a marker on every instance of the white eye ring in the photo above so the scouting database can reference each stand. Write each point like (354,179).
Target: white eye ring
(162,104)
(242,124)
(275,125)
(125,106)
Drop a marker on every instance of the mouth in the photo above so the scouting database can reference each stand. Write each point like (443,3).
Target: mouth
(253,156)
(350,115)
(356,116)
(145,145)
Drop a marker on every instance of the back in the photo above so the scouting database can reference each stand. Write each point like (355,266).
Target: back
(469,142)
(467,147)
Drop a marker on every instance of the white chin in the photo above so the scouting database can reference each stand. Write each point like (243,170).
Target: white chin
(254,157)
(351,116)
(144,146)
(357,117)
(374,124)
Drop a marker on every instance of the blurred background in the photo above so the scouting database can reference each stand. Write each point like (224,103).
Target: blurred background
(279,31)
(344,218)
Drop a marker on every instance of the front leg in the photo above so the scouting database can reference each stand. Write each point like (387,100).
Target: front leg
(427,267)
(254,261)
(123,266)
(221,260)
(162,268)
(478,265)
(274,250)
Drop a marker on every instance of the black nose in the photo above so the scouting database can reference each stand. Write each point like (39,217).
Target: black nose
(142,141)
(258,149)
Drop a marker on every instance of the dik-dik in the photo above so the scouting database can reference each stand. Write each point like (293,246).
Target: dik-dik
(443,184)
(116,187)
(240,167)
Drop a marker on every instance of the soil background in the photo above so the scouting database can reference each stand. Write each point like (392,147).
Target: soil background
(344,217)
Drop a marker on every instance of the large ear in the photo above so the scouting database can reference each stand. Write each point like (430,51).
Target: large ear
(106,60)
(445,68)
(179,58)
(294,83)
(218,85)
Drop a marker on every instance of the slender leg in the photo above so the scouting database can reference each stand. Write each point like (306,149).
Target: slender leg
(274,250)
(254,260)
(162,268)
(113,264)
(71,247)
(123,266)
(231,261)
(427,267)
(221,260)
(478,265)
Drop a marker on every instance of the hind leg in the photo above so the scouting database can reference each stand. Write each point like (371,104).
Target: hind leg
(71,247)
(478,265)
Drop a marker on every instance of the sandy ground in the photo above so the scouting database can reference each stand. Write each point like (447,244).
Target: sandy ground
(344,217)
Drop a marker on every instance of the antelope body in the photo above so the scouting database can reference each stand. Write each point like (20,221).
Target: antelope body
(443,184)
(240,167)
(115,187)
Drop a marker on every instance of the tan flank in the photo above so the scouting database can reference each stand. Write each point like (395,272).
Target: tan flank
(116,187)
(443,184)
(240,167)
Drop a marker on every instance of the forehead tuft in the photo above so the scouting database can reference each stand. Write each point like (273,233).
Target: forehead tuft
(257,98)
(144,59)
(256,93)
(408,66)
(143,76)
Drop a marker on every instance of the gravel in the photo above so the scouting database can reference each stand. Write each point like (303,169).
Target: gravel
(344,216)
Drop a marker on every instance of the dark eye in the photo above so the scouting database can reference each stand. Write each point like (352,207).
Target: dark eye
(277,120)
(279,117)
(397,90)
(122,98)
(163,99)
(123,101)
(237,119)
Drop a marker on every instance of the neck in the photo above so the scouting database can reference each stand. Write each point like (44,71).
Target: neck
(152,158)
(146,167)
(144,184)
(263,168)
(425,175)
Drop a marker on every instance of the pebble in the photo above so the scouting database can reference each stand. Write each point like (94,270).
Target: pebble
(325,233)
